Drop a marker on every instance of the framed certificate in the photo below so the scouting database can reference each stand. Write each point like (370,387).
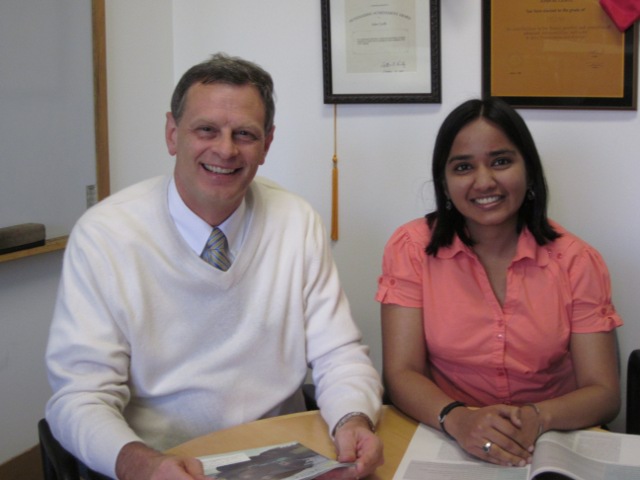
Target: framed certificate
(557,54)
(381,51)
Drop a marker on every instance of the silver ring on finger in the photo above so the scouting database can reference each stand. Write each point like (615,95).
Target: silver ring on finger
(486,447)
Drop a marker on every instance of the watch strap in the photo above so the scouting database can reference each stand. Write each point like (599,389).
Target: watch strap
(445,411)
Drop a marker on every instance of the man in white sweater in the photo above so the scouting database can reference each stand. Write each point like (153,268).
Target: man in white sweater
(157,339)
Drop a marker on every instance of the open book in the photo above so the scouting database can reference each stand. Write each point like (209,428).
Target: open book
(291,461)
(578,455)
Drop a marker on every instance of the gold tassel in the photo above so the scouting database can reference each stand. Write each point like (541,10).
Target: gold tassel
(334,179)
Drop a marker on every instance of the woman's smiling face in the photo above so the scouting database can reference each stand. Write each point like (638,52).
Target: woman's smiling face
(485,177)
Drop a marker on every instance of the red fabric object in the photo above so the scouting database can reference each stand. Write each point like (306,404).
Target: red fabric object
(623,12)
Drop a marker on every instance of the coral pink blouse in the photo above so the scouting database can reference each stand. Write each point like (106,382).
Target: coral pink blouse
(482,353)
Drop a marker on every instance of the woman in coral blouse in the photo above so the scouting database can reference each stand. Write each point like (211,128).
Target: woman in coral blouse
(497,323)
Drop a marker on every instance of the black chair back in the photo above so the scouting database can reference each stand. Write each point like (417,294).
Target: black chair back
(57,462)
(633,393)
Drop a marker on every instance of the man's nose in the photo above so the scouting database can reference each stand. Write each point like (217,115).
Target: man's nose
(225,146)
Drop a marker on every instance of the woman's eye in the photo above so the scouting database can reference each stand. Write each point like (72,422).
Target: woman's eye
(502,161)
(461,167)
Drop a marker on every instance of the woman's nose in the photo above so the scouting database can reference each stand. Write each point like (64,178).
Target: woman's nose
(484,178)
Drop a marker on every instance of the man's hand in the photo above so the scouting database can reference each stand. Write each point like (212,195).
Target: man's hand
(356,443)
(136,461)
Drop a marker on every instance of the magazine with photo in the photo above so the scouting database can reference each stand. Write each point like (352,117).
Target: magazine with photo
(290,461)
(576,455)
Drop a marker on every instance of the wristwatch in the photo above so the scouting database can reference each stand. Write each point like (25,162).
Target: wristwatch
(349,416)
(445,411)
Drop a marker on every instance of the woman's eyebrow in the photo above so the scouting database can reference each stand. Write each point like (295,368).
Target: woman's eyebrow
(462,156)
(502,151)
(492,153)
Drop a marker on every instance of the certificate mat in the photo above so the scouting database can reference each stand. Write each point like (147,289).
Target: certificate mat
(555,49)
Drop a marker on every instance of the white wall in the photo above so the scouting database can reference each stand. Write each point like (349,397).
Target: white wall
(139,84)
(140,66)
(27,293)
(384,151)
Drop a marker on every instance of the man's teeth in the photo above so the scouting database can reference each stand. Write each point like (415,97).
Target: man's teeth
(214,169)
(486,200)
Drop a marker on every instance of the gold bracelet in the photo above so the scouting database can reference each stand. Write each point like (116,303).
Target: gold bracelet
(537,410)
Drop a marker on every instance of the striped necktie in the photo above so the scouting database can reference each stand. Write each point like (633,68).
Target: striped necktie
(216,250)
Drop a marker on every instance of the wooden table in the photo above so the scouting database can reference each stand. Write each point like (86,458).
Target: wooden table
(308,428)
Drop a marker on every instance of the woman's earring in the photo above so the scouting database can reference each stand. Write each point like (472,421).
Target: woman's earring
(448,204)
(531,195)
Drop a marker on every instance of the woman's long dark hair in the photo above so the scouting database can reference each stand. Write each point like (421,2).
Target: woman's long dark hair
(446,223)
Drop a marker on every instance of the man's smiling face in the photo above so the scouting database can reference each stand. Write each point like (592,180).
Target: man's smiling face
(219,143)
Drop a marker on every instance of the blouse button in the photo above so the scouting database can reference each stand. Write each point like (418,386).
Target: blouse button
(392,282)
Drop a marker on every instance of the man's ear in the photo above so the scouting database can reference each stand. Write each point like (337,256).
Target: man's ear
(171,134)
(267,143)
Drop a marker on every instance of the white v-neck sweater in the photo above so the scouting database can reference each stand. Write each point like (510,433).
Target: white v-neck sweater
(149,342)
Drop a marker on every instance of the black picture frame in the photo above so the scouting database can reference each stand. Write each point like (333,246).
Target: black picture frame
(418,83)
(623,79)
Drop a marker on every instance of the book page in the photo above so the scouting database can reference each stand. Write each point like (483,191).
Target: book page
(578,455)
(434,456)
(588,455)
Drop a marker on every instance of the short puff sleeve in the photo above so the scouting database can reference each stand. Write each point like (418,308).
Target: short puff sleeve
(402,266)
(592,307)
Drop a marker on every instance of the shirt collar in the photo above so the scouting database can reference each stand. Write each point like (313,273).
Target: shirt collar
(527,248)
(196,231)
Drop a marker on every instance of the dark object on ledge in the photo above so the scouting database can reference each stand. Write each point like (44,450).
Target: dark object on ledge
(21,237)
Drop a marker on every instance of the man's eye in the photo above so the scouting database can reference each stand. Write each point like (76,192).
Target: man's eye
(246,135)
(205,130)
